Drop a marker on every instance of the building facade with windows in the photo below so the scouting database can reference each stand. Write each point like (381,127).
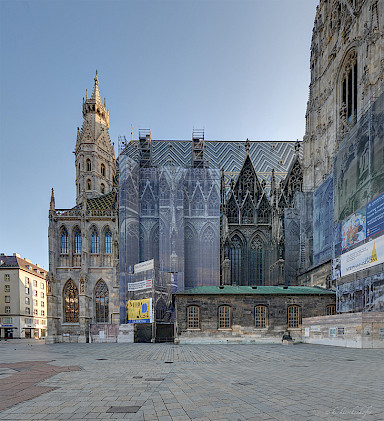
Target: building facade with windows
(23,298)
(83,285)
(258,314)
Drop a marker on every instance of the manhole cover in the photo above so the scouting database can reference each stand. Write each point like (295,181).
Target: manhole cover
(124,409)
(154,379)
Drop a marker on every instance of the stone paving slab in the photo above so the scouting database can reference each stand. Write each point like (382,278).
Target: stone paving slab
(204,382)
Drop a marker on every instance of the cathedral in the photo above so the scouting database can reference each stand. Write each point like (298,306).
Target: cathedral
(239,213)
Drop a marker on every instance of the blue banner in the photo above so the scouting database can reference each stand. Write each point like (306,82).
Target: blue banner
(375,215)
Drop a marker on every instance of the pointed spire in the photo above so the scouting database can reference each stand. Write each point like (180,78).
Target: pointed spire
(96,94)
(297,147)
(52,204)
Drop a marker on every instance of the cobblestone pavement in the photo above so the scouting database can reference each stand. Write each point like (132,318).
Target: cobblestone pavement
(199,382)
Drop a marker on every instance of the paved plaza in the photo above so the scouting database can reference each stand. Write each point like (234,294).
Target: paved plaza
(183,382)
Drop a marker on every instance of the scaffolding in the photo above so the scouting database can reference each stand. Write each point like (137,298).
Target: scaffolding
(198,148)
(145,143)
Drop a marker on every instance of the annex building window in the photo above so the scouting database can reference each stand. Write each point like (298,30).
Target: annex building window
(6,277)
(330,310)
(224,317)
(7,299)
(193,317)
(7,288)
(261,317)
(101,301)
(7,309)
(294,316)
(71,302)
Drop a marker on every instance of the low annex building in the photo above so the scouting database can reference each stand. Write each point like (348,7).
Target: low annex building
(247,314)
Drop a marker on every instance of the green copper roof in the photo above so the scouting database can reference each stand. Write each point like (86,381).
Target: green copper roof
(291,290)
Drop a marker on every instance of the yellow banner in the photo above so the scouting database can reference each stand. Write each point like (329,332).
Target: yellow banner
(140,311)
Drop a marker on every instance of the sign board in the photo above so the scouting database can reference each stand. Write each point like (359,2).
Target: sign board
(332,332)
(363,257)
(143,266)
(381,333)
(306,332)
(135,286)
(140,311)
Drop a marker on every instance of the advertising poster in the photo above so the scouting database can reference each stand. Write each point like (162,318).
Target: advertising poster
(140,311)
(136,286)
(375,215)
(354,229)
(365,256)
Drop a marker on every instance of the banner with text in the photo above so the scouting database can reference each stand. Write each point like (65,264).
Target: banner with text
(363,257)
(136,286)
(140,311)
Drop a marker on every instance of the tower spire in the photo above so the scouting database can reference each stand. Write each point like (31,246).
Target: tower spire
(52,204)
(96,93)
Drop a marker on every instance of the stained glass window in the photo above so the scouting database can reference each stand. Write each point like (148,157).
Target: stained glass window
(95,241)
(256,262)
(101,302)
(71,302)
(77,248)
(235,256)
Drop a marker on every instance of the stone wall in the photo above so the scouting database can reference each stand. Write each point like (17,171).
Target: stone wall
(243,318)
(354,330)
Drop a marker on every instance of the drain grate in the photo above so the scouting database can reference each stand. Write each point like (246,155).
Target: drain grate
(124,409)
(137,377)
(154,379)
(244,383)
(101,359)
(168,362)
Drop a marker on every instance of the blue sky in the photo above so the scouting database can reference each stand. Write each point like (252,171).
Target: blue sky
(239,69)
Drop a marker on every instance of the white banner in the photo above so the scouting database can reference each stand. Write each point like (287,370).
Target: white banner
(141,267)
(365,256)
(135,286)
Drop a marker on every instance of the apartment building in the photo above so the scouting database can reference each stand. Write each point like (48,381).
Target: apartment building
(23,298)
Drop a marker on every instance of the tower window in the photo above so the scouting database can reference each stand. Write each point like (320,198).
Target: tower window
(95,241)
(64,241)
(349,89)
(77,248)
(89,165)
(108,242)
(102,188)
(89,185)
(103,170)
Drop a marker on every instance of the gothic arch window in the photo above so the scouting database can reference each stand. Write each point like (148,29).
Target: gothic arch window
(95,241)
(155,243)
(71,302)
(248,212)
(108,242)
(233,211)
(102,170)
(263,212)
(161,310)
(89,185)
(102,188)
(77,240)
(148,203)
(256,262)
(213,204)
(348,109)
(164,191)
(64,241)
(89,165)
(101,302)
(191,253)
(198,204)
(208,251)
(236,258)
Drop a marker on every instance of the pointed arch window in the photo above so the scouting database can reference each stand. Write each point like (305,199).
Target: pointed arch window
(102,170)
(198,204)
(148,203)
(101,302)
(256,262)
(71,302)
(235,256)
(233,212)
(108,242)
(95,241)
(64,241)
(77,241)
(102,188)
(247,212)
(263,212)
(213,204)
(89,165)
(349,89)
(89,185)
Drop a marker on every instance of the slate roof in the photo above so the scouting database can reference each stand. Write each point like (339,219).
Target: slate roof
(264,290)
(18,262)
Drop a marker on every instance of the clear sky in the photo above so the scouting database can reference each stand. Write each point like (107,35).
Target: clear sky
(237,68)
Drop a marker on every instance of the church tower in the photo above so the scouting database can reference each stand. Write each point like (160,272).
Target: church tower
(95,155)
